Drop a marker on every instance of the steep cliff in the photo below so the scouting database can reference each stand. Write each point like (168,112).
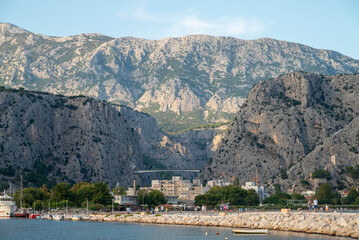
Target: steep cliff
(289,124)
(49,138)
(182,82)
(65,139)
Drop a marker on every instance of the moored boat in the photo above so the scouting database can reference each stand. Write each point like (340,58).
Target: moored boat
(250,231)
(76,218)
(58,218)
(21,213)
(34,216)
(7,205)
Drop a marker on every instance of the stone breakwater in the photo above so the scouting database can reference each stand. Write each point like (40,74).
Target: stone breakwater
(336,224)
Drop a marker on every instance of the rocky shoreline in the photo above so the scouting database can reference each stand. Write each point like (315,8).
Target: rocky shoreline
(335,224)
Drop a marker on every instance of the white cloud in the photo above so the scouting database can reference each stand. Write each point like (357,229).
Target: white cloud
(237,26)
(189,22)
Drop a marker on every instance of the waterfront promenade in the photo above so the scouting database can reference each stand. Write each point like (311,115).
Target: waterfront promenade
(336,224)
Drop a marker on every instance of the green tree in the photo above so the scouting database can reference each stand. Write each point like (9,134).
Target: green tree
(278,198)
(4,186)
(156,198)
(284,175)
(324,194)
(304,183)
(101,194)
(62,191)
(252,199)
(353,171)
(76,187)
(142,197)
(277,188)
(297,196)
(236,181)
(320,173)
(352,195)
(119,190)
(30,195)
(85,193)
(234,195)
(38,176)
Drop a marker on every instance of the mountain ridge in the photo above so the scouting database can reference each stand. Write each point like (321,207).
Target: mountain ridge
(186,81)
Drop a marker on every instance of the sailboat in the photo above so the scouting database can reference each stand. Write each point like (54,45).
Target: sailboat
(21,212)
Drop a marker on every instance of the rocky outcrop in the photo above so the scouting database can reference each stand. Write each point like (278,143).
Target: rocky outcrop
(78,139)
(167,78)
(335,224)
(291,124)
(82,139)
(186,150)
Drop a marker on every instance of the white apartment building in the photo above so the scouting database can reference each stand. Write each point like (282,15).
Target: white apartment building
(261,191)
(217,182)
(184,189)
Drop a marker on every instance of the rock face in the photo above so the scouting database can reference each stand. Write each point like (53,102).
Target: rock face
(187,81)
(292,124)
(187,150)
(82,139)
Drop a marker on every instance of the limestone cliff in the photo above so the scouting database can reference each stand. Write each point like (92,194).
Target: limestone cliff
(59,138)
(78,139)
(289,124)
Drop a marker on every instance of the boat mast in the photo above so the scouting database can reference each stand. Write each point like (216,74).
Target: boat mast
(21,192)
(112,208)
(87,206)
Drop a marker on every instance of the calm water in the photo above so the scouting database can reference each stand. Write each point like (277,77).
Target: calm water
(26,229)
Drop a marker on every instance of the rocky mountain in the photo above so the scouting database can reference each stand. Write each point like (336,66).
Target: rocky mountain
(187,150)
(64,139)
(182,82)
(49,138)
(289,127)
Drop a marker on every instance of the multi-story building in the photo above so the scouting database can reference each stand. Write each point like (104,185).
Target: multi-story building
(217,182)
(261,191)
(184,189)
(124,200)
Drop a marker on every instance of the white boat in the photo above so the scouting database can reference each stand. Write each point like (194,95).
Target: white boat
(250,231)
(58,217)
(76,218)
(7,205)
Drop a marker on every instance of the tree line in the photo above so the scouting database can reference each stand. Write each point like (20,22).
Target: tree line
(234,195)
(96,194)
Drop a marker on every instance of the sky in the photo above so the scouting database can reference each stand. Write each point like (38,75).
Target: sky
(324,24)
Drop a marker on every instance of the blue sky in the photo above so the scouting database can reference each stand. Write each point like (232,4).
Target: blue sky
(326,24)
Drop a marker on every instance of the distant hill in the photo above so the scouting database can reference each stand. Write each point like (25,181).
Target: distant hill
(182,82)
(291,126)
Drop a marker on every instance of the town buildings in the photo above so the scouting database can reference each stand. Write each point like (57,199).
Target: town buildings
(261,190)
(184,189)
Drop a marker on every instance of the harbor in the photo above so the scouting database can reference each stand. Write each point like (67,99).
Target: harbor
(19,229)
(334,224)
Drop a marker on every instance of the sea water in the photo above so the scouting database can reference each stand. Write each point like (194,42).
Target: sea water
(26,229)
